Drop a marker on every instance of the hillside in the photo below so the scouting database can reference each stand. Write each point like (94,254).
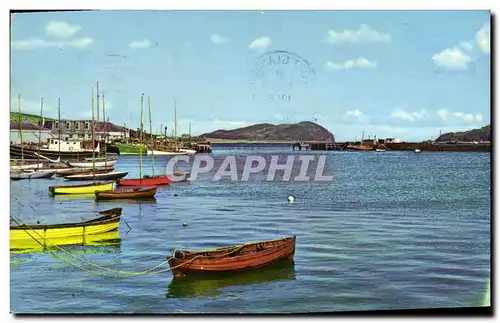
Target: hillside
(482,134)
(302,131)
(30,118)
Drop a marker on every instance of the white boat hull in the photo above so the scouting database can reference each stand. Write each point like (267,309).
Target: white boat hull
(165,153)
(32,175)
(90,164)
(26,166)
(188,151)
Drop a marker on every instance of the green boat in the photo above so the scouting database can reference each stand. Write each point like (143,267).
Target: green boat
(131,149)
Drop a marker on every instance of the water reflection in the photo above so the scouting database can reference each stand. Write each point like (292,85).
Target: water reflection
(207,285)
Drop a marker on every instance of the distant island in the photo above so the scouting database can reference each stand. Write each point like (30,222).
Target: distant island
(266,132)
(482,134)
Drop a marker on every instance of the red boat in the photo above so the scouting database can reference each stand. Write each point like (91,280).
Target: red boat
(146,181)
(231,259)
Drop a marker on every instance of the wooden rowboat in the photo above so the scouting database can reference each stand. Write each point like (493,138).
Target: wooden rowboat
(109,221)
(231,259)
(81,189)
(91,176)
(82,171)
(130,193)
(146,181)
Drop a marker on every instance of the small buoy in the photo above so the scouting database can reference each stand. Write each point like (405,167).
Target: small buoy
(406,192)
(291,199)
(185,224)
(175,194)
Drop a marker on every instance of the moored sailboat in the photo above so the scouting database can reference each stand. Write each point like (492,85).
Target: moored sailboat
(158,180)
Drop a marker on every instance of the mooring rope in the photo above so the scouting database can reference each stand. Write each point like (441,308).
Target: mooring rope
(124,273)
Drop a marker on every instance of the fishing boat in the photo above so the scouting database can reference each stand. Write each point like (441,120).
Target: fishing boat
(51,150)
(81,189)
(379,150)
(81,171)
(417,150)
(231,259)
(94,176)
(108,221)
(106,239)
(16,176)
(130,149)
(130,193)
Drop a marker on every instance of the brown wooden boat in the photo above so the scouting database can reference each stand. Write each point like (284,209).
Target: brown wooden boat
(85,171)
(129,193)
(231,259)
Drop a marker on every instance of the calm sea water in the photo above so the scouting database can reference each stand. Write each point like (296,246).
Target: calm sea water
(394,230)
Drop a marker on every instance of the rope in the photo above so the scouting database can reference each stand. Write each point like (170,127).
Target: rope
(122,272)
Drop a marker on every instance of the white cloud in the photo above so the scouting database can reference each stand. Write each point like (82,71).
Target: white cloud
(409,116)
(260,44)
(353,113)
(453,58)
(61,29)
(33,43)
(483,39)
(466,46)
(145,43)
(349,64)
(443,114)
(450,115)
(363,34)
(218,39)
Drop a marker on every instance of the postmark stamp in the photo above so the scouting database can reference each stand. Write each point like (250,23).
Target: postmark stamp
(278,75)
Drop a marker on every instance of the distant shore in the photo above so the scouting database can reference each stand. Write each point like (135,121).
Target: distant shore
(247,141)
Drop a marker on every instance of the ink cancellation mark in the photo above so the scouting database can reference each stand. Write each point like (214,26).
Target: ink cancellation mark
(278,74)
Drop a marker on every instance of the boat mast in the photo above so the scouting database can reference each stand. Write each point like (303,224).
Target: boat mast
(59,123)
(151,137)
(140,143)
(105,128)
(93,148)
(98,107)
(20,126)
(175,133)
(40,133)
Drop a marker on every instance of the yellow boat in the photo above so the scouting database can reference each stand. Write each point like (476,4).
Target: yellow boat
(81,189)
(111,238)
(43,235)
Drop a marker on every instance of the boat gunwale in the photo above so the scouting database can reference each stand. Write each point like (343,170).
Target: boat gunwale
(109,216)
(53,187)
(194,253)
(94,175)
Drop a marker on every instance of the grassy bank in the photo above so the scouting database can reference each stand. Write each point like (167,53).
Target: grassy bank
(30,118)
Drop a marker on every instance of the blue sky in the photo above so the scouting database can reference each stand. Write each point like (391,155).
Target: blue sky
(391,74)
